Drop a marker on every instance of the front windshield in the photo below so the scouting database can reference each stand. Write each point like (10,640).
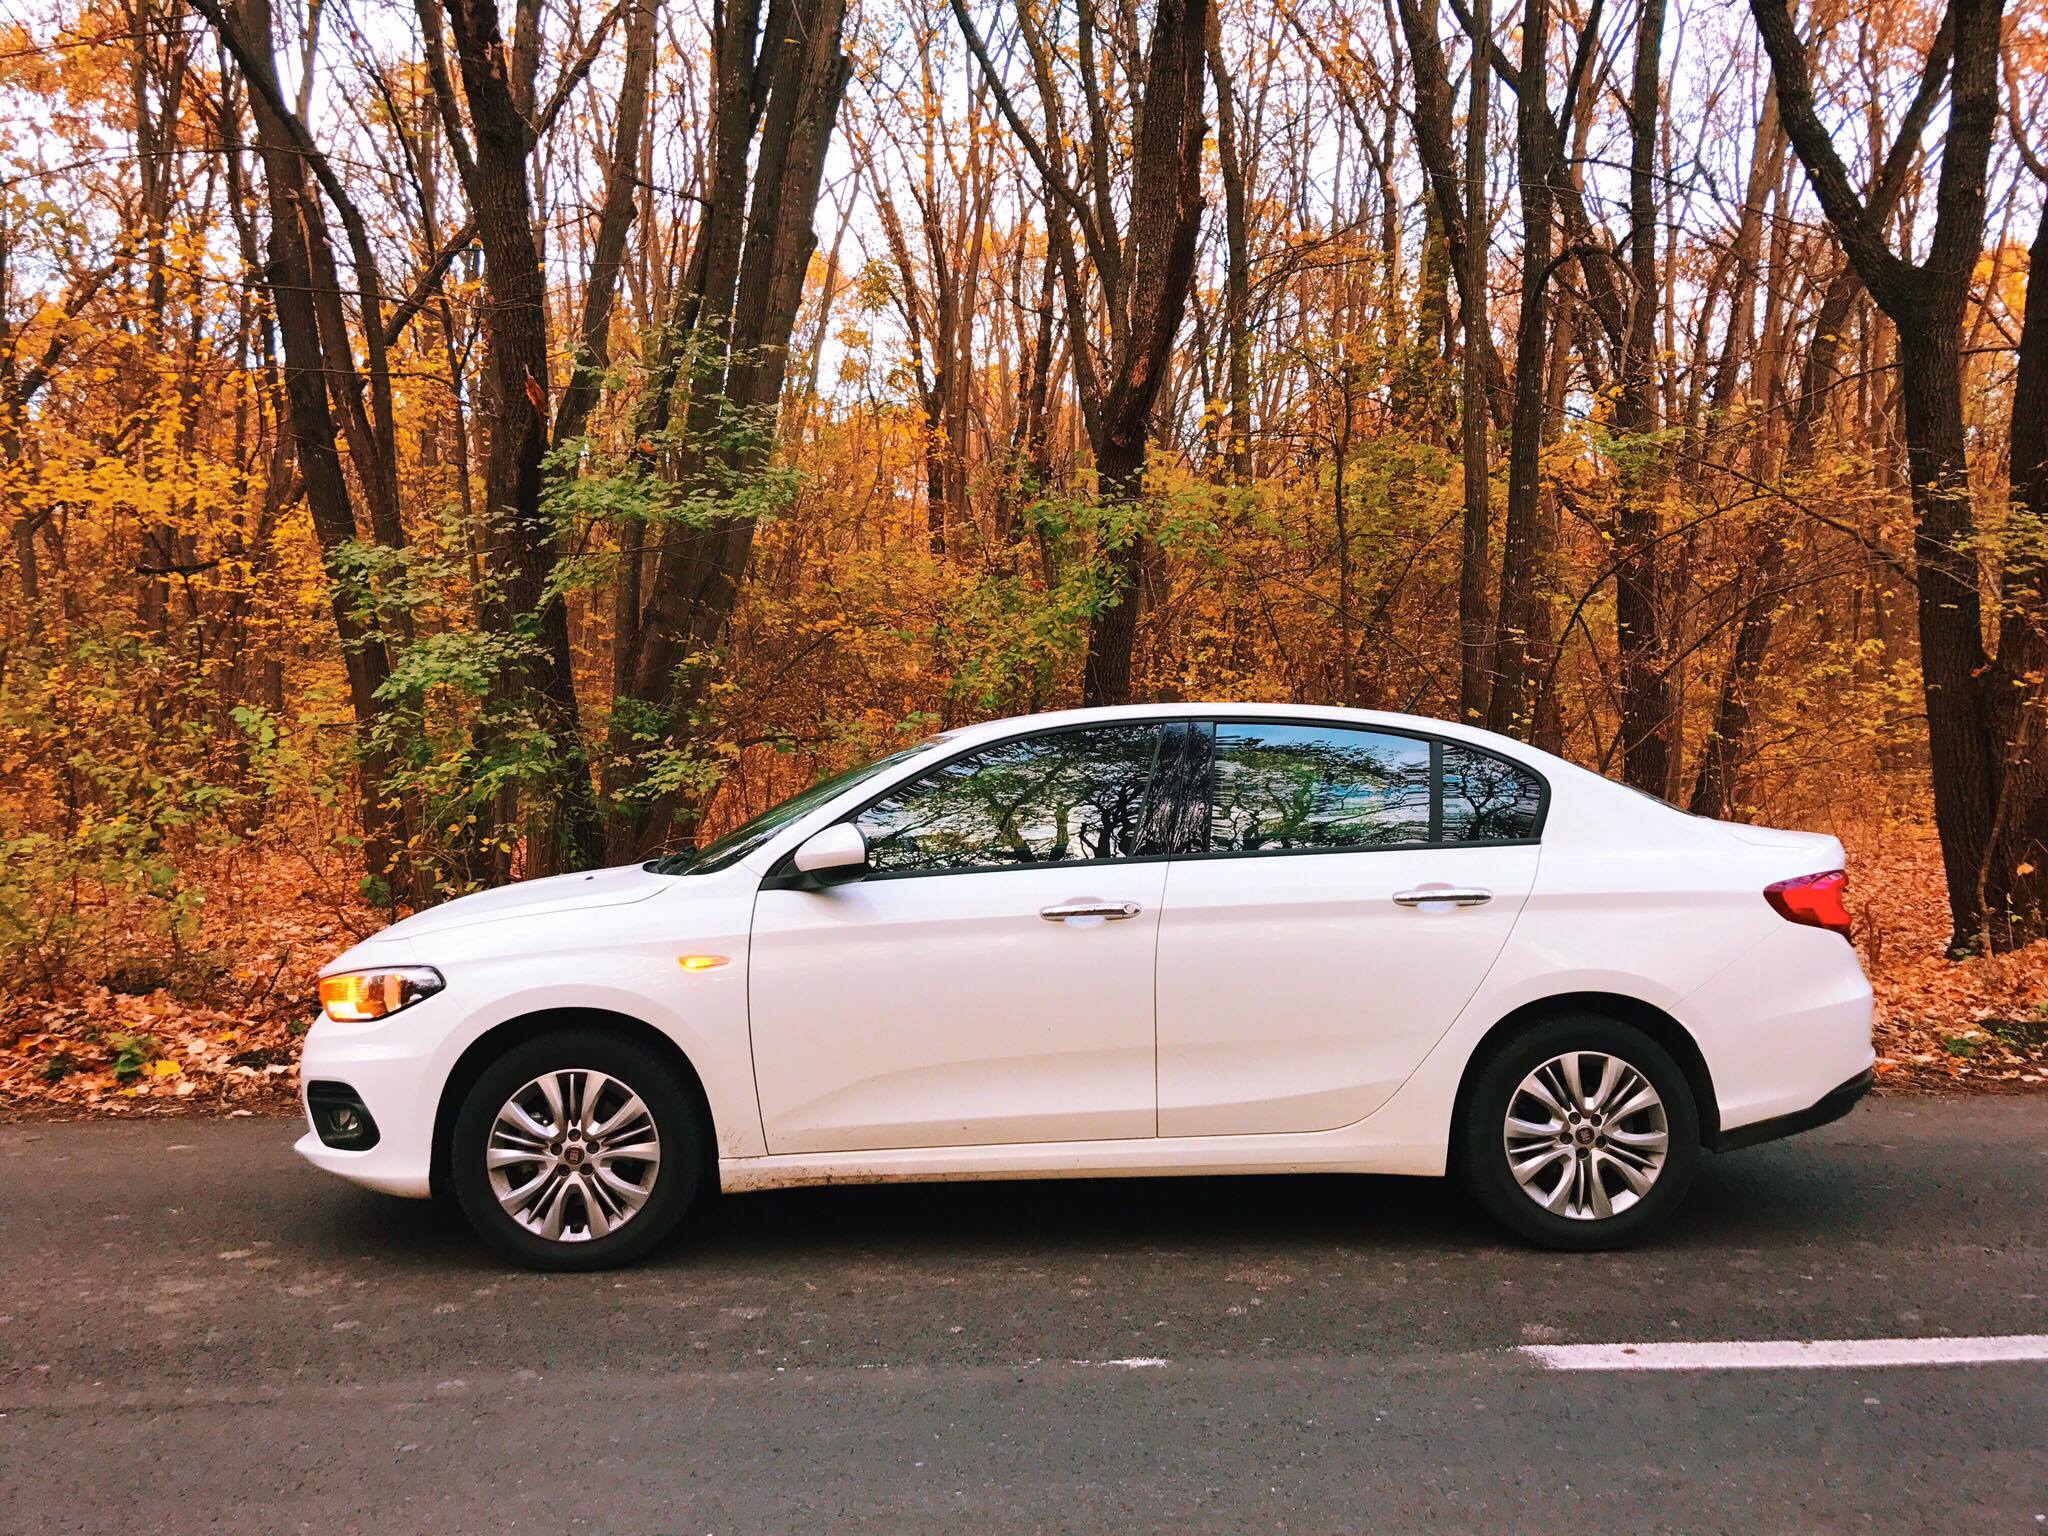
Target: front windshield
(749,835)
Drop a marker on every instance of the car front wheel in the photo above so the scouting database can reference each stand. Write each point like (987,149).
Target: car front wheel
(576,1150)
(1579,1133)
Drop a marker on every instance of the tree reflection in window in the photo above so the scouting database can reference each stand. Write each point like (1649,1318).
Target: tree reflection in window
(1312,786)
(1487,798)
(1049,799)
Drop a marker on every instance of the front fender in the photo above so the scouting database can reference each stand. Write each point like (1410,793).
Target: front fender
(634,971)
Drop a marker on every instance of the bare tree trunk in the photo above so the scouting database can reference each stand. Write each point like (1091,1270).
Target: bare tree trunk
(1511,708)
(2019,699)
(515,407)
(1647,747)
(1951,611)
(928,327)
(1450,193)
(1726,749)
(1166,215)
(614,223)
(1927,302)
(1475,618)
(1231,162)
(784,78)
(289,279)
(1029,467)
(1765,166)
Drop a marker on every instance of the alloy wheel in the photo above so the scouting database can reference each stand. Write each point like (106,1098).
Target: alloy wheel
(573,1155)
(1586,1135)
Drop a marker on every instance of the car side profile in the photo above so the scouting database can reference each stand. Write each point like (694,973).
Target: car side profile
(1169,939)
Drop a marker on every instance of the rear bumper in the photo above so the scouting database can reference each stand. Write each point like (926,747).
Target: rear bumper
(1782,1028)
(1832,1105)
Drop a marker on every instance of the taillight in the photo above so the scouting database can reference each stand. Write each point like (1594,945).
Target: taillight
(1815,900)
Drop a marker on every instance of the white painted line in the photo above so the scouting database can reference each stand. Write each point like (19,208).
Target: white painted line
(1789,1354)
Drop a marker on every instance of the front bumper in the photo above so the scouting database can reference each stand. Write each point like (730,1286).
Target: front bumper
(390,1066)
(1832,1105)
(368,1169)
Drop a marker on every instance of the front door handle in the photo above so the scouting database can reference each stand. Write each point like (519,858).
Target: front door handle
(1448,895)
(1109,911)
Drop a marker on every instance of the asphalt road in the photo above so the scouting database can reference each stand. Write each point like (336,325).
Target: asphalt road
(199,1333)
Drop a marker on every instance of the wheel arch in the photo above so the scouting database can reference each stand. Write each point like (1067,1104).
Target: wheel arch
(502,1037)
(1648,1017)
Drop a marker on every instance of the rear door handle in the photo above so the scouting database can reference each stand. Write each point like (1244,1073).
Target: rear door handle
(1448,895)
(1110,911)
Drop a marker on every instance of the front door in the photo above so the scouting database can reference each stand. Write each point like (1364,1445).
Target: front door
(990,980)
(1304,970)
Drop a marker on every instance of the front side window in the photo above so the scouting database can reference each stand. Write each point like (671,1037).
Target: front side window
(1057,798)
(1276,787)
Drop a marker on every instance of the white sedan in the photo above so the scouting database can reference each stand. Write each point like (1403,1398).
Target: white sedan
(1173,939)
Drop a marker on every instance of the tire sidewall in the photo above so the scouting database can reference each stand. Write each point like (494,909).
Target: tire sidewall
(1483,1158)
(676,1120)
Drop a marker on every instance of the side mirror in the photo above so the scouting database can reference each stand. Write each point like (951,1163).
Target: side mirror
(837,854)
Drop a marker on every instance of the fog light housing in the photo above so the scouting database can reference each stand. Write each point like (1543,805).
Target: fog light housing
(340,1117)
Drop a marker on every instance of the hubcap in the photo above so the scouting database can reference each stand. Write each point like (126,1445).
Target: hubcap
(1586,1135)
(573,1155)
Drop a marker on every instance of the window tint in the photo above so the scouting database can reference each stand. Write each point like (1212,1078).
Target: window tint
(1487,798)
(1315,786)
(1050,799)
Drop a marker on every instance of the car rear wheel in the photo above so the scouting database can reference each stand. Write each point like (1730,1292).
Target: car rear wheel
(1579,1133)
(576,1150)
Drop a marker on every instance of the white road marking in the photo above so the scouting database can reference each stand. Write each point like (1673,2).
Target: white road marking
(1789,1354)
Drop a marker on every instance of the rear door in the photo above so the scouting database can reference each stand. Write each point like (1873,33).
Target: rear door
(1340,895)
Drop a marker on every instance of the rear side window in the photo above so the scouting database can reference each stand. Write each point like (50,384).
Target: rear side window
(1488,799)
(1276,787)
(1057,798)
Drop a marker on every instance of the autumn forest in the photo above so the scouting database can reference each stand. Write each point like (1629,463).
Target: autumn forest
(443,444)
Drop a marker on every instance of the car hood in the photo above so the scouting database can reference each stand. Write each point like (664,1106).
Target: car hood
(536,898)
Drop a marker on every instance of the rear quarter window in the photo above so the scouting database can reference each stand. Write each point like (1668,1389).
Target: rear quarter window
(1487,799)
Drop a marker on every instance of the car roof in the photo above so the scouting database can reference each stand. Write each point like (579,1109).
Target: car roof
(1249,710)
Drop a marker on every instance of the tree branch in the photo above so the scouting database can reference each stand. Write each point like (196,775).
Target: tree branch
(1054,182)
(1888,278)
(573,76)
(429,282)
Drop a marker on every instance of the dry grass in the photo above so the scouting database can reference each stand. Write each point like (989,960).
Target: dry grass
(1978,1024)
(213,1032)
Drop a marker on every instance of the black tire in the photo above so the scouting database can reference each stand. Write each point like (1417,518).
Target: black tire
(678,1122)
(1480,1154)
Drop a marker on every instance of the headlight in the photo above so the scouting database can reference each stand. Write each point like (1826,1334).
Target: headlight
(356,997)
